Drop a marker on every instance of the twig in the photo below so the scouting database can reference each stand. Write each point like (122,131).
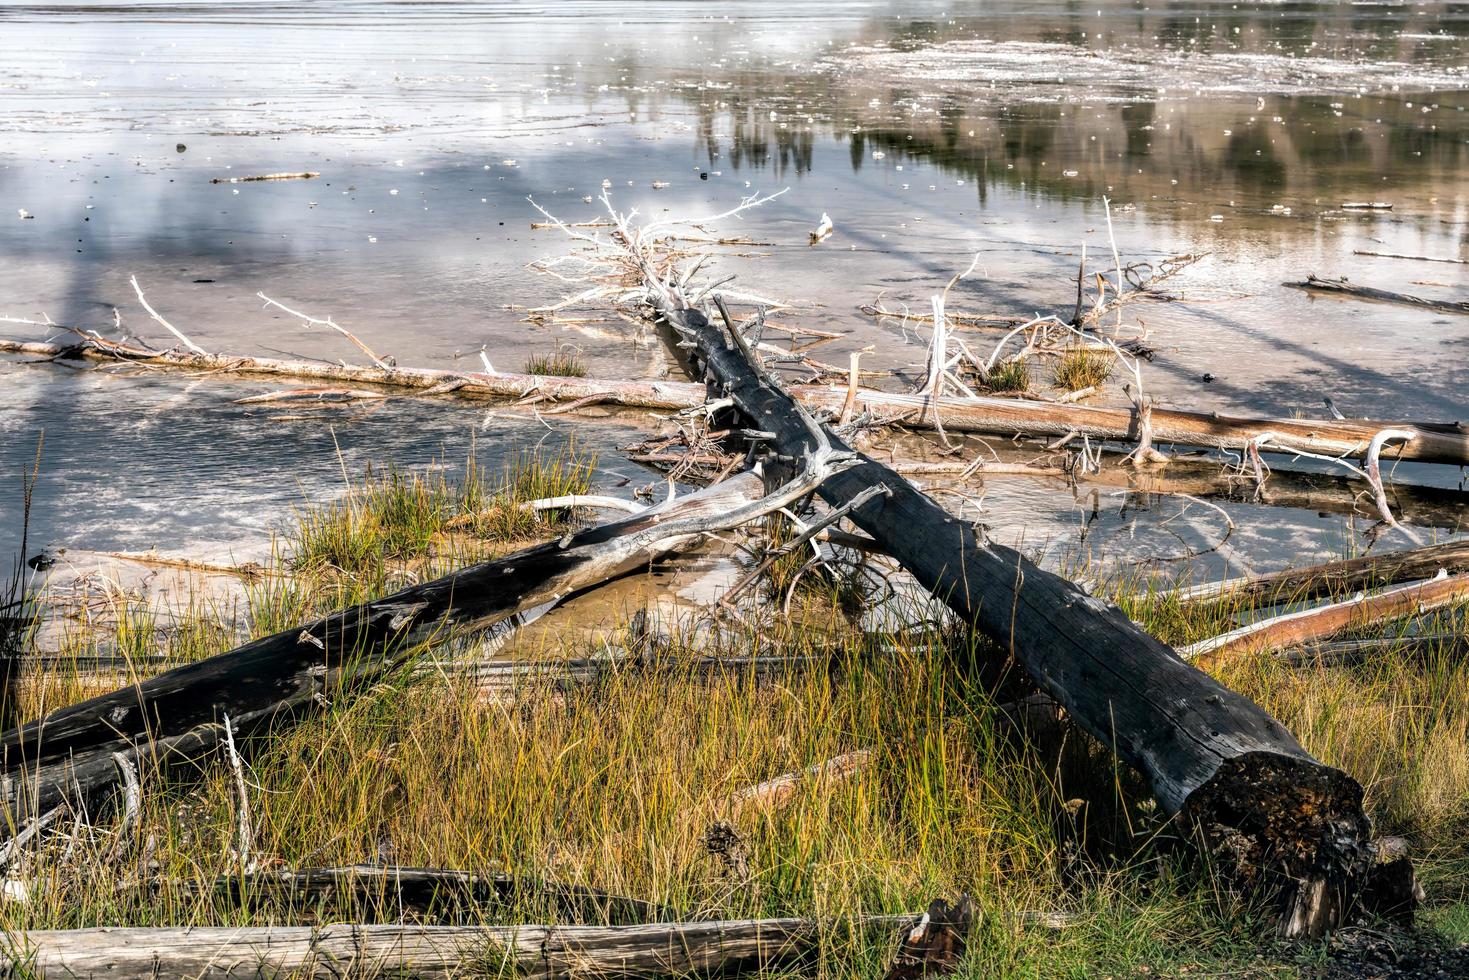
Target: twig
(168,326)
(328,322)
(246,835)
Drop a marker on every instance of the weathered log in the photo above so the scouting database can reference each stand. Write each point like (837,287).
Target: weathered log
(1316,284)
(388,892)
(1343,653)
(75,755)
(1431,442)
(1334,577)
(1236,776)
(331,952)
(1296,628)
(1327,493)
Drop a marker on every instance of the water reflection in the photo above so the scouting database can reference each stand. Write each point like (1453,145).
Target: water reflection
(926,132)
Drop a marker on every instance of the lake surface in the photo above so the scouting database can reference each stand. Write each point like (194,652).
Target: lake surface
(927,131)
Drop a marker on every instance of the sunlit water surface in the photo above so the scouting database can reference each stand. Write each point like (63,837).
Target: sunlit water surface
(927,131)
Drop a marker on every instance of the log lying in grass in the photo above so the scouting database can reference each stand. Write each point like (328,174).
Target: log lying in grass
(334,951)
(1276,817)
(76,755)
(1316,284)
(1431,442)
(1343,653)
(1296,628)
(387,892)
(1334,577)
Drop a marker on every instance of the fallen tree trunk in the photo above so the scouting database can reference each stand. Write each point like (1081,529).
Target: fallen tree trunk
(1294,629)
(390,892)
(331,952)
(1316,284)
(78,755)
(1322,492)
(1275,816)
(1343,653)
(1431,442)
(1334,577)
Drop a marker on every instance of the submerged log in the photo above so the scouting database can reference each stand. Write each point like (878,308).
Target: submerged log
(1316,284)
(334,951)
(1431,442)
(1275,816)
(76,755)
(1335,577)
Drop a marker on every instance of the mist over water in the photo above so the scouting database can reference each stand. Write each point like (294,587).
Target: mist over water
(928,131)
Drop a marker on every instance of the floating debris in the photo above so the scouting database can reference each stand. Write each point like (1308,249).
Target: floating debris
(305,175)
(1365,206)
(823,230)
(658,185)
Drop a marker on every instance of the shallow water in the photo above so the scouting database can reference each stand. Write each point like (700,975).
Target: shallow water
(926,133)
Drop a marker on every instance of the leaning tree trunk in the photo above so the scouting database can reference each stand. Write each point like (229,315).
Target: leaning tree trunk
(78,756)
(1258,801)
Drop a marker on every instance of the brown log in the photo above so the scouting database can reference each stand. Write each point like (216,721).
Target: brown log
(1232,774)
(1335,577)
(1297,628)
(1432,442)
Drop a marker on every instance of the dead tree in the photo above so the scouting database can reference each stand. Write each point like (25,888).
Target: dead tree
(77,756)
(330,952)
(1274,816)
(1431,442)
(1335,577)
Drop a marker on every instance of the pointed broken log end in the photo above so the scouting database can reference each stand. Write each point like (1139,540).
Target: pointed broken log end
(1288,826)
(936,943)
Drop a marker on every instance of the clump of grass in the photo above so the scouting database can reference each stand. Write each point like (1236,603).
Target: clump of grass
(1081,367)
(530,476)
(401,518)
(564,362)
(1009,376)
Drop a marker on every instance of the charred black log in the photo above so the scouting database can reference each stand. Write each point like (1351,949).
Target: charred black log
(1272,814)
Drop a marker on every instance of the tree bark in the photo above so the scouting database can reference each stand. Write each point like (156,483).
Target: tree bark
(1432,442)
(1275,816)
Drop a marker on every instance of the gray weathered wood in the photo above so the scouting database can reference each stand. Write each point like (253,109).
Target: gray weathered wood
(334,951)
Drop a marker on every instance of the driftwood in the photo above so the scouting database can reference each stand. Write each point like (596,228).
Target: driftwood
(1415,258)
(331,952)
(1341,653)
(1234,775)
(1328,493)
(1337,576)
(1319,285)
(1296,628)
(1431,442)
(77,755)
